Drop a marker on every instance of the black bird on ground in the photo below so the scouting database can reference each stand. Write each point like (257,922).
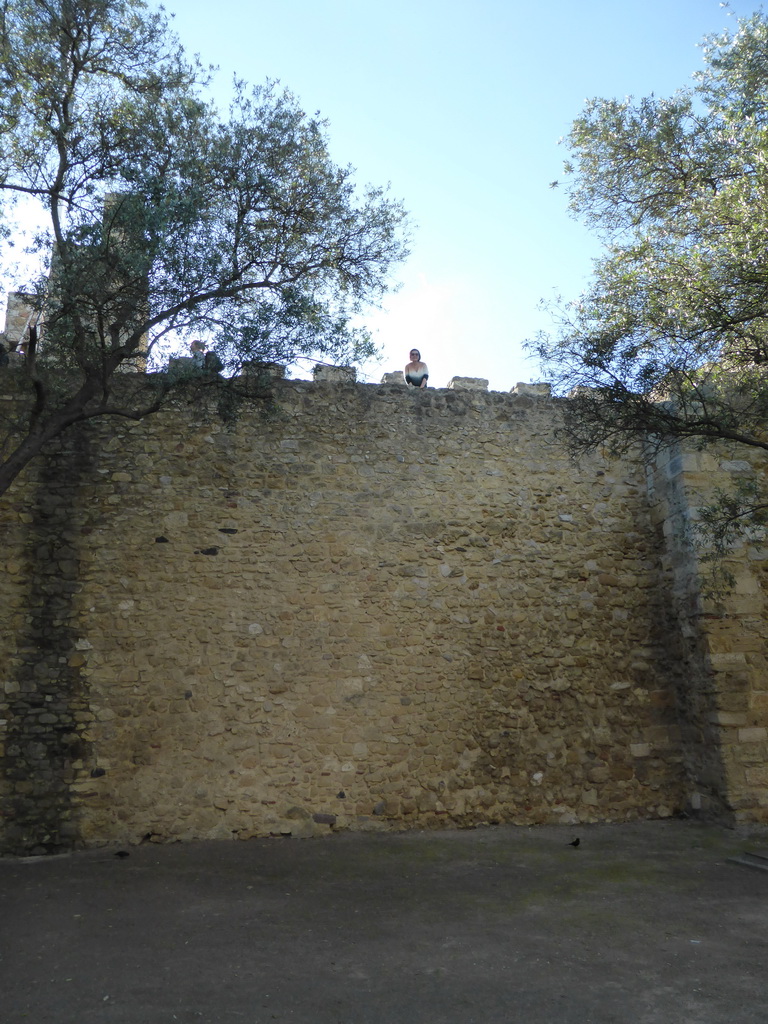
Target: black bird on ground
(574,842)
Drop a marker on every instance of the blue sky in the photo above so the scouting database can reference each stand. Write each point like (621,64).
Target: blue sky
(460,104)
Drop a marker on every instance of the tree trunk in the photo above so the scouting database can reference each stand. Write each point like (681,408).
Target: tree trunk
(22,455)
(43,431)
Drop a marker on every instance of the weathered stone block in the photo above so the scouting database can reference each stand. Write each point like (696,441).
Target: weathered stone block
(468,384)
(536,390)
(334,374)
(753,734)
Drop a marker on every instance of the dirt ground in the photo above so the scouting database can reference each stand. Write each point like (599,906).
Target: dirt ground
(646,923)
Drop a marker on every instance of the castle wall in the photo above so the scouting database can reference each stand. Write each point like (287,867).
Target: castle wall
(379,607)
(723,688)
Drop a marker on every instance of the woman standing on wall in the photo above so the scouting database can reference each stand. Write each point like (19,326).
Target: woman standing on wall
(416,372)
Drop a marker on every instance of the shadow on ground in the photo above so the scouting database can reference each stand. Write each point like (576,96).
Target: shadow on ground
(645,923)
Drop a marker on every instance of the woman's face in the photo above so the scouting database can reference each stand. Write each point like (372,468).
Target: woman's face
(415,357)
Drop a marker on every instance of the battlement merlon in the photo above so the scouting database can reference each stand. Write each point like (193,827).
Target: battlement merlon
(20,315)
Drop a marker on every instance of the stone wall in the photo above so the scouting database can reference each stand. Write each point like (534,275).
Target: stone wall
(377,607)
(723,694)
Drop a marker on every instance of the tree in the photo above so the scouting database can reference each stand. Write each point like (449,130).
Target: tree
(165,220)
(670,340)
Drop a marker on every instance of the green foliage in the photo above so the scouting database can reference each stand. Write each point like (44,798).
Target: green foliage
(724,524)
(670,340)
(166,220)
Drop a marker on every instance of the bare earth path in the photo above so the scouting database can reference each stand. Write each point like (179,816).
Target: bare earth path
(646,923)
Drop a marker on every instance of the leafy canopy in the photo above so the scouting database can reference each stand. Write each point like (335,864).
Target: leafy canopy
(670,340)
(164,219)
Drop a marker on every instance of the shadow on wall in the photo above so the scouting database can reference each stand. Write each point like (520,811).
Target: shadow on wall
(48,712)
